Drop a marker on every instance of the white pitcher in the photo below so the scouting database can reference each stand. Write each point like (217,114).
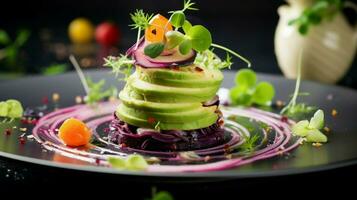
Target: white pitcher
(328,48)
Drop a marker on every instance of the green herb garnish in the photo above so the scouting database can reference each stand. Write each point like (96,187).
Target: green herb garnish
(316,13)
(133,162)
(247,91)
(94,90)
(97,93)
(141,22)
(153,50)
(293,108)
(11,109)
(249,144)
(210,60)
(120,65)
(311,129)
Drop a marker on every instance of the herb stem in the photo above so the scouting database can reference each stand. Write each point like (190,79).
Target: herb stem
(80,73)
(297,86)
(233,53)
(138,38)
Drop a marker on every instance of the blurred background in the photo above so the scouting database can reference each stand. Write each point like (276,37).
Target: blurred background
(36,37)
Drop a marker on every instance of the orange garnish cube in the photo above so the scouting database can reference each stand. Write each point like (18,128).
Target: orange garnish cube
(74,133)
(159,25)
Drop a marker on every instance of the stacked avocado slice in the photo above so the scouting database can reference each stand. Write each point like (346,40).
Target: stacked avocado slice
(170,98)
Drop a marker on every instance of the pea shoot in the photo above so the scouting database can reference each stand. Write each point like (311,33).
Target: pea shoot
(248,91)
(293,108)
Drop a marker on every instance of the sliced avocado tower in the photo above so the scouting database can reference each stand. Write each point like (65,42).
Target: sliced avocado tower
(170,99)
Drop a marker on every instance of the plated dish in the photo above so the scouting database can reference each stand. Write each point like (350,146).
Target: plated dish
(172,114)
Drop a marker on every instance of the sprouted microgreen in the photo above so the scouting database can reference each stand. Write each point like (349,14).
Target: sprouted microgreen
(247,91)
(141,22)
(293,108)
(120,65)
(311,129)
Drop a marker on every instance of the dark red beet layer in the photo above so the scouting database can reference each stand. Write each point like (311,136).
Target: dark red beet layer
(165,140)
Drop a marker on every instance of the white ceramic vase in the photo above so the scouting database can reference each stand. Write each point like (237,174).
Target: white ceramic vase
(328,48)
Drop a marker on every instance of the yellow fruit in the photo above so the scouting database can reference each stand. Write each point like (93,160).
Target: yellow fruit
(81,31)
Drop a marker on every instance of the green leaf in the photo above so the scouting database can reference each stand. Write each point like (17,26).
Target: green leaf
(264,93)
(185,47)
(240,96)
(4,38)
(4,109)
(15,108)
(154,50)
(117,163)
(300,128)
(177,19)
(200,37)
(186,26)
(246,78)
(162,195)
(136,162)
(315,136)
(317,121)
(174,38)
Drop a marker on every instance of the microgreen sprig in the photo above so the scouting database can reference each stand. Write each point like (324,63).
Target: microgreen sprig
(120,65)
(310,130)
(293,108)
(97,93)
(247,91)
(141,22)
(249,144)
(94,90)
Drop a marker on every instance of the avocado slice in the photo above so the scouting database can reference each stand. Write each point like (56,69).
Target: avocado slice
(145,123)
(171,117)
(182,77)
(160,93)
(154,106)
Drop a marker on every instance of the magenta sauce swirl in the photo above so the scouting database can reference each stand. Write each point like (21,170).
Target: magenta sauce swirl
(275,140)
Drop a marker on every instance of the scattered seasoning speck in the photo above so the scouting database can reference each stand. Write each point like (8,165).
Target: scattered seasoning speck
(45,100)
(97,161)
(14,127)
(317,144)
(229,156)
(151,120)
(207,158)
(284,119)
(280,103)
(198,69)
(30,137)
(23,129)
(78,100)
(55,97)
(327,129)
(7,131)
(22,140)
(334,112)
